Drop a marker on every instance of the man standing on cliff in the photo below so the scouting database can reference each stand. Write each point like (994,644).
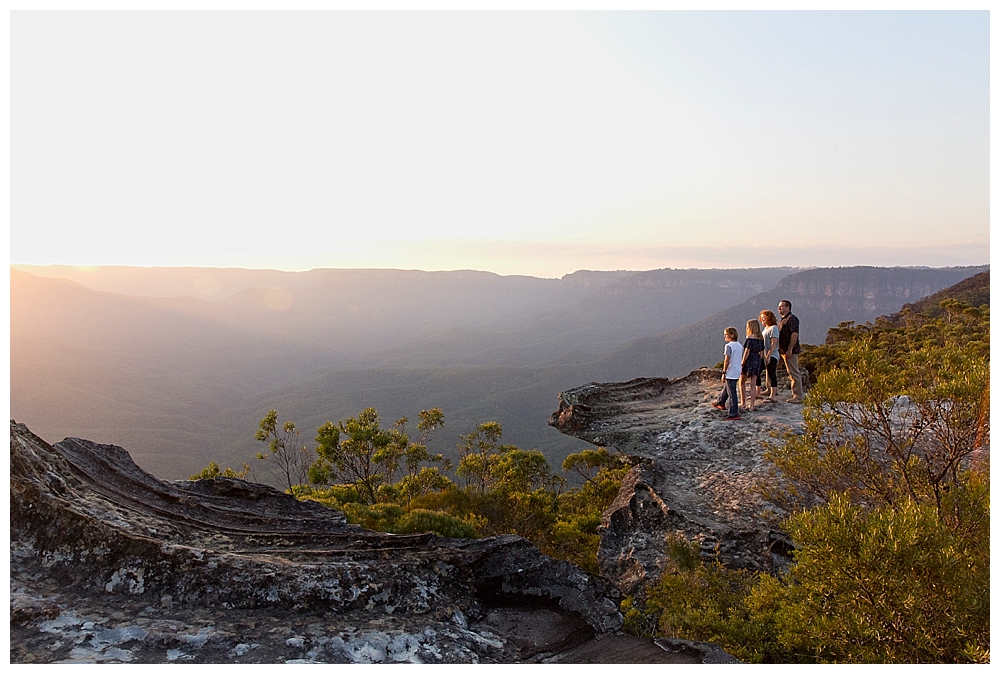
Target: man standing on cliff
(788,347)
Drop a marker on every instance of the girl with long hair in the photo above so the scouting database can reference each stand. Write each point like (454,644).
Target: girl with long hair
(753,362)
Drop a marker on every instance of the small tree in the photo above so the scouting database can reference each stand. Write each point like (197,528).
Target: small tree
(588,463)
(360,452)
(519,470)
(478,451)
(416,454)
(286,456)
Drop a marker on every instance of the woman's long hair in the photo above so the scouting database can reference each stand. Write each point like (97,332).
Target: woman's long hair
(769,317)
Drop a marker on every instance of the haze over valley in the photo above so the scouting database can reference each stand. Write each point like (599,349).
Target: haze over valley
(179,364)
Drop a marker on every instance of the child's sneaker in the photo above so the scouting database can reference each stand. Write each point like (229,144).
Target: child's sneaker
(732,419)
(719,407)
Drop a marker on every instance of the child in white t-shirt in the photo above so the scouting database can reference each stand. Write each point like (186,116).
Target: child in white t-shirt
(731,366)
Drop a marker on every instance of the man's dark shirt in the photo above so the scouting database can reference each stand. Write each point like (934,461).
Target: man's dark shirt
(788,325)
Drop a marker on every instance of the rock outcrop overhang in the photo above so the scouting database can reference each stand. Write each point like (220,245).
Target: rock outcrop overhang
(696,473)
(110,564)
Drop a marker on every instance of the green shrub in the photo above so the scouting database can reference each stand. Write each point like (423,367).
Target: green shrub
(574,539)
(378,517)
(443,524)
(213,470)
(708,602)
(892,584)
(902,583)
(334,496)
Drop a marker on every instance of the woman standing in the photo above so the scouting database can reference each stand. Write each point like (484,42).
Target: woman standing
(770,334)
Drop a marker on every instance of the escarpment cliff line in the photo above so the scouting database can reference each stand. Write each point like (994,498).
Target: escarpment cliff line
(821,298)
(696,475)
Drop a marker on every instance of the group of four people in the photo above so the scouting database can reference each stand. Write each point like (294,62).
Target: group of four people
(744,363)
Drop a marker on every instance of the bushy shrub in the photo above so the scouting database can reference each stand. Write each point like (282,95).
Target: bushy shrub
(575,539)
(213,470)
(334,496)
(891,584)
(442,524)
(379,516)
(888,584)
(708,602)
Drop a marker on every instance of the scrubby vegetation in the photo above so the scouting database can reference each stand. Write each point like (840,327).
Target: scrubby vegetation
(386,480)
(213,470)
(888,490)
(497,488)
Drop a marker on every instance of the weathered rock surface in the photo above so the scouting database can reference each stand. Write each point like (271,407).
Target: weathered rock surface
(110,564)
(696,476)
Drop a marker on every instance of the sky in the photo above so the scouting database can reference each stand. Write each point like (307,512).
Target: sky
(532,143)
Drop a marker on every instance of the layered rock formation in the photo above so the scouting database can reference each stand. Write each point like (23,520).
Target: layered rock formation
(110,564)
(696,475)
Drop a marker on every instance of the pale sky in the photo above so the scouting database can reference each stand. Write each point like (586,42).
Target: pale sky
(513,142)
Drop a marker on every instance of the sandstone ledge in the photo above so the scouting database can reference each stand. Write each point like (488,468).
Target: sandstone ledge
(696,473)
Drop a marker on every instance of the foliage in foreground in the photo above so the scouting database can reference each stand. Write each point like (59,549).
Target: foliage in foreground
(867,585)
(213,470)
(383,479)
(386,480)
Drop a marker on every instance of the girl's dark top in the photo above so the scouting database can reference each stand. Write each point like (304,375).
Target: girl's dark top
(755,351)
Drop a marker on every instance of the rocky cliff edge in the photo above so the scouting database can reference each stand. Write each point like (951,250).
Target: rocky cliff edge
(696,473)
